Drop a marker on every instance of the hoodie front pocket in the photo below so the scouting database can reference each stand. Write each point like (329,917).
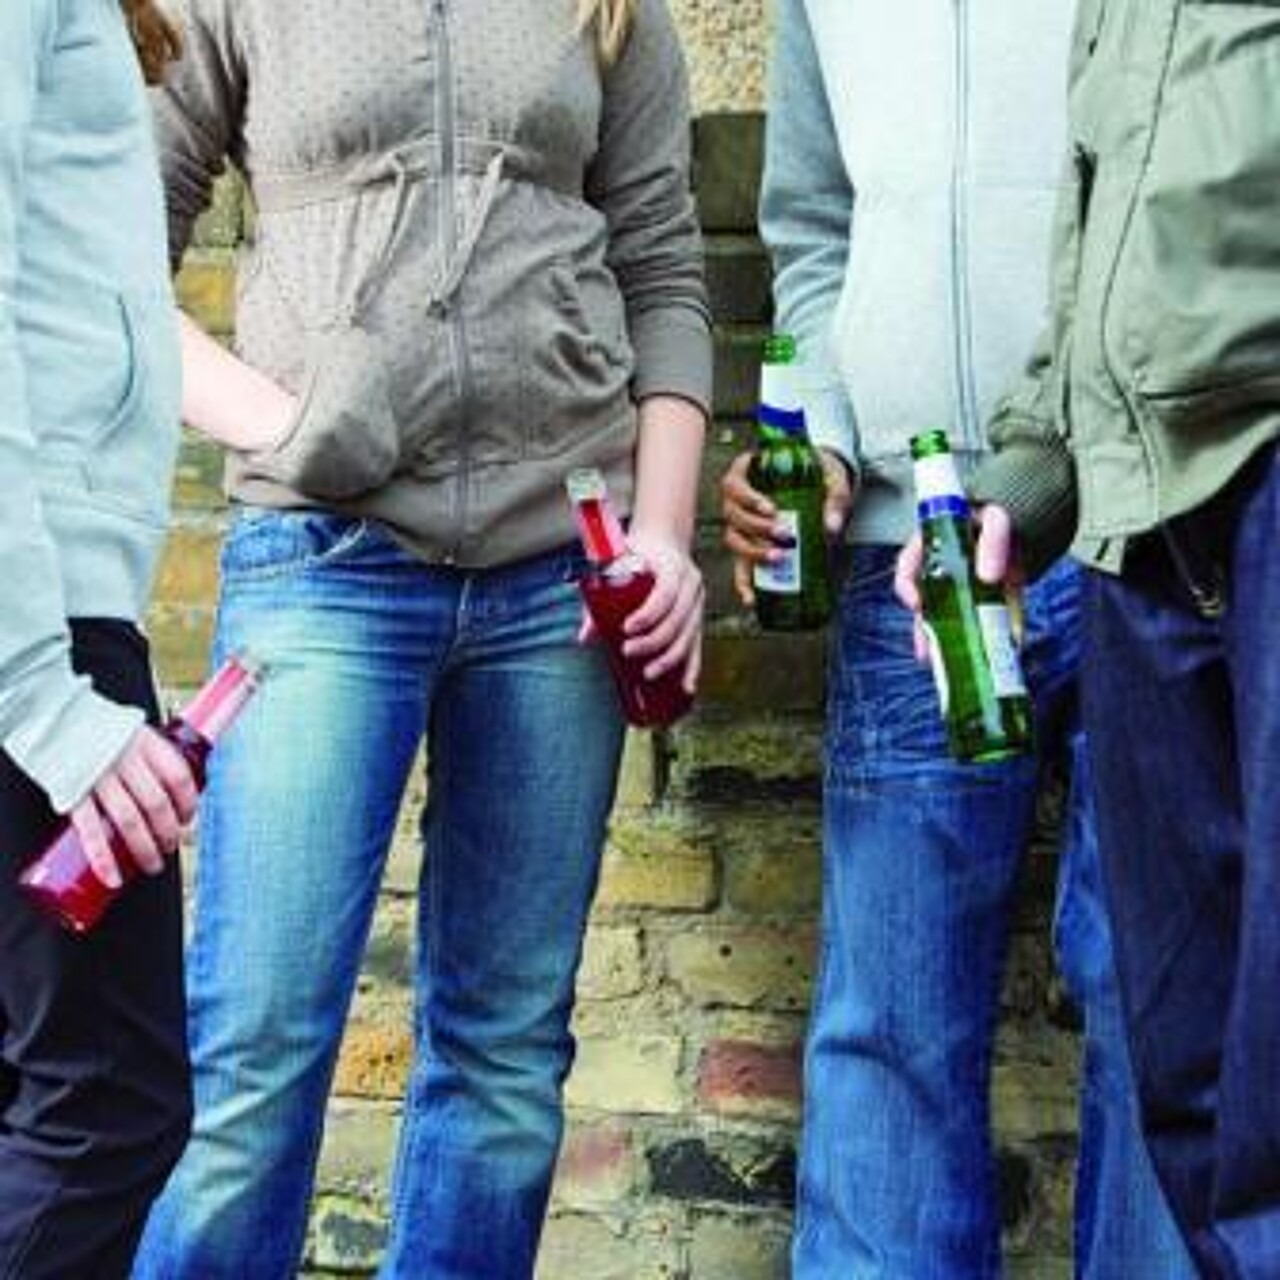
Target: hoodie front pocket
(344,439)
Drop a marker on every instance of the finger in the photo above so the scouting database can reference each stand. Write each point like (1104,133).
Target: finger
(668,644)
(693,667)
(907,573)
(995,544)
(752,527)
(835,511)
(587,632)
(758,550)
(677,653)
(121,810)
(89,827)
(655,638)
(174,775)
(152,801)
(737,491)
(660,600)
(742,581)
(920,640)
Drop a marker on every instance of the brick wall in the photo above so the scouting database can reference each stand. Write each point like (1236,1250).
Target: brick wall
(684,1101)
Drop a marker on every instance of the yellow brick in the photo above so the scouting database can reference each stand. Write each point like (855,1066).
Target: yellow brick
(207,291)
(188,572)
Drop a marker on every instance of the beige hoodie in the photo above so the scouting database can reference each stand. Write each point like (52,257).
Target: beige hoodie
(476,251)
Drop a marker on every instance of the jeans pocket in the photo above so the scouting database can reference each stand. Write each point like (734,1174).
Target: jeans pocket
(267,544)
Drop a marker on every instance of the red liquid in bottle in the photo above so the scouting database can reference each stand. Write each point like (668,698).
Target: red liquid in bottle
(60,880)
(614,587)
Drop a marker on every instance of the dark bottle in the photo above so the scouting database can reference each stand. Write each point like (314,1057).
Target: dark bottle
(793,592)
(60,880)
(616,583)
(981,689)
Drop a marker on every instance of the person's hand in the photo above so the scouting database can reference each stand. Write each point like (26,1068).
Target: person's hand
(148,796)
(751,519)
(666,630)
(994,561)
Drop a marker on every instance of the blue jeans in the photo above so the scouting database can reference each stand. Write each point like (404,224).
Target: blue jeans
(1182,700)
(897,1177)
(368,651)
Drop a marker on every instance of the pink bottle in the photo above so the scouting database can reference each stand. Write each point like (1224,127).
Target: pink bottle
(60,880)
(614,586)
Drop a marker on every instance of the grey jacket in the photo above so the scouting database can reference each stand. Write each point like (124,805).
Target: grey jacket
(913,161)
(475,251)
(88,375)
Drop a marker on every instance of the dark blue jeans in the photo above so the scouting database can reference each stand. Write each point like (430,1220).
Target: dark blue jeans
(95,1091)
(897,1172)
(1182,701)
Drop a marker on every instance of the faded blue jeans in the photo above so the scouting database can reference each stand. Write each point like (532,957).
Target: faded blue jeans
(368,652)
(897,1175)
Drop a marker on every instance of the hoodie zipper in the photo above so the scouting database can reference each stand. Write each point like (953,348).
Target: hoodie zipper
(961,312)
(450,312)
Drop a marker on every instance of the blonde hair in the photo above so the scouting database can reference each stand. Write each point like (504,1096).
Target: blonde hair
(612,20)
(154,36)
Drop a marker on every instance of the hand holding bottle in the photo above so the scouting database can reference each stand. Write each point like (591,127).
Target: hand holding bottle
(666,630)
(138,808)
(750,518)
(995,562)
(147,797)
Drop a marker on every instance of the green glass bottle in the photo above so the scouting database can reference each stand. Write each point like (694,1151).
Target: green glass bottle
(975,661)
(793,593)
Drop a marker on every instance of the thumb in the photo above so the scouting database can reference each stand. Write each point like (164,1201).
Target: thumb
(994,558)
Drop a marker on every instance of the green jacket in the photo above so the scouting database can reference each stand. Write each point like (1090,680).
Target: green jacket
(1160,374)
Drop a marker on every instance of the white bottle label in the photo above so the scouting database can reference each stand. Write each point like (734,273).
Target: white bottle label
(1002,652)
(937,477)
(783,576)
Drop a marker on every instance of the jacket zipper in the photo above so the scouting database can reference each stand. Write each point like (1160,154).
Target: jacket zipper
(962,321)
(451,313)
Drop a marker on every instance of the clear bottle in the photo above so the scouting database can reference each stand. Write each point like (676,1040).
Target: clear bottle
(616,583)
(793,592)
(981,689)
(60,880)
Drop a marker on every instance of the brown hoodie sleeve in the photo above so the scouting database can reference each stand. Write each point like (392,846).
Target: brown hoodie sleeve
(640,180)
(198,113)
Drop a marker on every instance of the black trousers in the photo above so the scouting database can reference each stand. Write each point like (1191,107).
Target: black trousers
(95,1102)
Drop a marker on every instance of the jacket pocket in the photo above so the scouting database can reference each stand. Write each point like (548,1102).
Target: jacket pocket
(1194,303)
(344,439)
(112,429)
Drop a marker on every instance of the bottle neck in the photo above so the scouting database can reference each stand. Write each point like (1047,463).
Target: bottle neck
(211,712)
(601,531)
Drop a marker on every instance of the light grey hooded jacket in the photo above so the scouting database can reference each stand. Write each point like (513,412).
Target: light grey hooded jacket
(476,249)
(913,161)
(89,375)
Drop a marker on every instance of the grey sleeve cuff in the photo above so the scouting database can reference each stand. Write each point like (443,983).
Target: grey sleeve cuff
(1035,482)
(673,354)
(66,735)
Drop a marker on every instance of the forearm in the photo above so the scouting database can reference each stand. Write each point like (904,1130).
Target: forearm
(228,400)
(668,461)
